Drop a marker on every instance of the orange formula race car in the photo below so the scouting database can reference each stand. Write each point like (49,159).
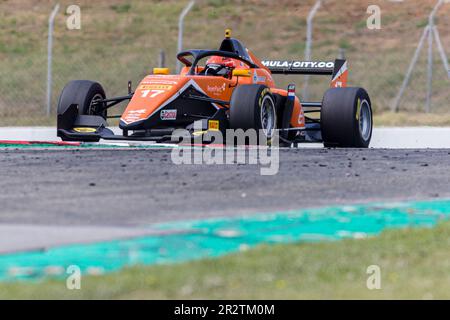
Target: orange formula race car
(216,90)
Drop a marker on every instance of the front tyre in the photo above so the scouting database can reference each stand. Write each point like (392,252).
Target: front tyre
(253,107)
(346,118)
(79,98)
(84,93)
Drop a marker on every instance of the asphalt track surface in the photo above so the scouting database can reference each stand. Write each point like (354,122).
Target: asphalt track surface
(136,188)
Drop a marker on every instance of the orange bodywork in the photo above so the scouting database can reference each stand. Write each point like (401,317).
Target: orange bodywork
(156,91)
(201,99)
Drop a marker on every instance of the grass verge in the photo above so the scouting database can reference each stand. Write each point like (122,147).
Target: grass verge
(411,119)
(414,265)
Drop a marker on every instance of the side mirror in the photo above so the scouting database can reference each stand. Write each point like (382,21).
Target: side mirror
(242,73)
(165,71)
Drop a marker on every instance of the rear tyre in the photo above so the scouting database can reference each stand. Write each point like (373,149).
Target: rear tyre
(346,118)
(84,93)
(253,107)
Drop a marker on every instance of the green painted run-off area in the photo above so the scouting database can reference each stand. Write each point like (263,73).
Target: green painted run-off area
(181,241)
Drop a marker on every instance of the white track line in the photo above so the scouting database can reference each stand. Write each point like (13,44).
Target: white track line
(383,137)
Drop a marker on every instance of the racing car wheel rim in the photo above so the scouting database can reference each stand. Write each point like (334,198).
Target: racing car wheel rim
(365,120)
(92,106)
(268,116)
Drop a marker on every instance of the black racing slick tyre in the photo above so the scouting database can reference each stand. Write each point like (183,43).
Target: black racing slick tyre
(346,118)
(83,93)
(253,107)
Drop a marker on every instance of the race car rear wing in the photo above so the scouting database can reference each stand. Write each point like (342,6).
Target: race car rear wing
(337,69)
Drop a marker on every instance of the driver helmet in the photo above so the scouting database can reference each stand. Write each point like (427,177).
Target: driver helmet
(222,61)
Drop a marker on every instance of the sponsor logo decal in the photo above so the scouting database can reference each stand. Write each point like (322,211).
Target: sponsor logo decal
(169,114)
(300,120)
(216,89)
(213,125)
(358,109)
(138,111)
(257,78)
(133,115)
(155,87)
(198,133)
(297,64)
(158,81)
(85,130)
